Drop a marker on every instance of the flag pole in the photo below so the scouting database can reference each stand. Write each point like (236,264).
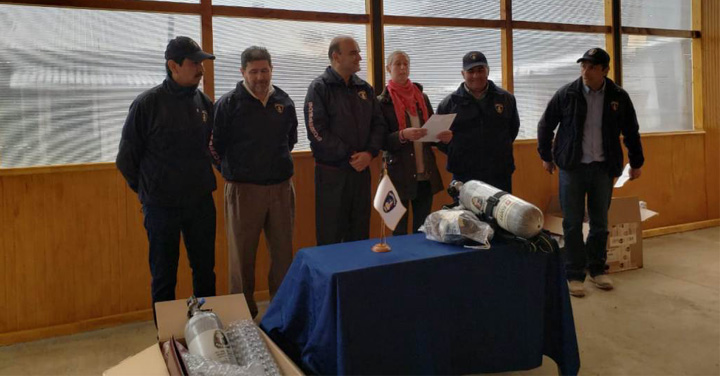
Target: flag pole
(382,247)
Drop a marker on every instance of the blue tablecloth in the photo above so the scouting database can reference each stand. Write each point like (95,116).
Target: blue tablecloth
(424,308)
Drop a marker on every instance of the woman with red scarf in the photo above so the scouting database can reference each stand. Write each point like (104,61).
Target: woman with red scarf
(410,163)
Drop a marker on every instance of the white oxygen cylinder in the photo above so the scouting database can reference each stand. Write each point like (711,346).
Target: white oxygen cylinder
(513,214)
(204,334)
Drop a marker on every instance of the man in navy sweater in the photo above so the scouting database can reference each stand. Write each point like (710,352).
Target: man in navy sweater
(164,157)
(255,130)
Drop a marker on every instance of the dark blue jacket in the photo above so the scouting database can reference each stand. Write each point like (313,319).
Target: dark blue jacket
(568,109)
(163,152)
(483,132)
(342,119)
(252,141)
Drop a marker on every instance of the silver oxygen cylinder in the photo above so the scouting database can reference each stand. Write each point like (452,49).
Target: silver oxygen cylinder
(513,214)
(204,334)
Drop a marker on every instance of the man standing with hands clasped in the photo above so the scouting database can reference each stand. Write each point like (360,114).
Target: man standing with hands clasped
(346,130)
(590,114)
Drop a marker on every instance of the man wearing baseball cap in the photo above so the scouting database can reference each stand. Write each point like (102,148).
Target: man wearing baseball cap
(164,156)
(589,114)
(484,129)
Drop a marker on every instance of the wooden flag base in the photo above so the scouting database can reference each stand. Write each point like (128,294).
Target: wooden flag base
(381,248)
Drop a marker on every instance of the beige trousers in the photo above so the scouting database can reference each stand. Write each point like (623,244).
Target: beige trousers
(250,209)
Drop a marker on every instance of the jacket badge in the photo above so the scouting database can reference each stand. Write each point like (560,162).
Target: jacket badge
(279,108)
(499,108)
(362,94)
(614,105)
(204,116)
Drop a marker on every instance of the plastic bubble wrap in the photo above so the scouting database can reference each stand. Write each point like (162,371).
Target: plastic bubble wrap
(250,350)
(249,347)
(200,366)
(456,226)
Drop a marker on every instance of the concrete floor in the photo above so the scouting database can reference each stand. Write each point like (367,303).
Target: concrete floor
(661,320)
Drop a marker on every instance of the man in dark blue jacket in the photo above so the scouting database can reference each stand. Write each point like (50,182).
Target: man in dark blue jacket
(589,114)
(346,130)
(255,130)
(164,157)
(484,129)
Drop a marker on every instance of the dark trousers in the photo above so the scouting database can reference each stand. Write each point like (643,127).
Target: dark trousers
(591,180)
(196,223)
(342,205)
(421,206)
(500,181)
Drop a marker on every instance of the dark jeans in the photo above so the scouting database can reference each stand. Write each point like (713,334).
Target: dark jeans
(342,205)
(164,225)
(421,206)
(594,181)
(499,181)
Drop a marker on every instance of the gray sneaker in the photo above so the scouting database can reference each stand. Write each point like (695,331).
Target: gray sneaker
(577,288)
(602,281)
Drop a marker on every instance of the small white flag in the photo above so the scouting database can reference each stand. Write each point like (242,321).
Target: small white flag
(387,203)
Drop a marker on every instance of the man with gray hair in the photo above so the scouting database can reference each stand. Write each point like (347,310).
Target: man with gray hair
(346,130)
(254,132)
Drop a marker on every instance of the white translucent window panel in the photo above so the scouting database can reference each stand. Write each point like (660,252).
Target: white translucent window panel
(436,55)
(484,9)
(583,12)
(544,61)
(663,14)
(657,73)
(298,50)
(67,86)
(334,6)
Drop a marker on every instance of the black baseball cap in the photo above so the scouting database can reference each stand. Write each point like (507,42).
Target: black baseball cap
(472,59)
(596,56)
(186,48)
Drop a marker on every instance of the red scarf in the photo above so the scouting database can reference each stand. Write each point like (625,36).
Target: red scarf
(404,99)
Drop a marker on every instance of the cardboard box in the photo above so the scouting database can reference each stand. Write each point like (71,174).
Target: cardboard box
(171,320)
(625,219)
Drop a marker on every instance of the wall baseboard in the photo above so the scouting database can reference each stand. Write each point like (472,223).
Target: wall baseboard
(680,228)
(12,338)
(75,327)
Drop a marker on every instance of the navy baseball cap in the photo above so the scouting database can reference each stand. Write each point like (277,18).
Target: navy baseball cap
(185,48)
(596,56)
(472,59)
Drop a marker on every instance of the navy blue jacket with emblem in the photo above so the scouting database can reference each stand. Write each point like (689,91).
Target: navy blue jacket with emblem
(342,119)
(164,154)
(254,141)
(483,132)
(566,112)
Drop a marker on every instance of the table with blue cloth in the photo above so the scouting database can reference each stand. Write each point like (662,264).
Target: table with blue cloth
(423,308)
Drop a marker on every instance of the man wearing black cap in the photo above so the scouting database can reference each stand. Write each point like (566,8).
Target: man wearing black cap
(484,129)
(164,156)
(589,114)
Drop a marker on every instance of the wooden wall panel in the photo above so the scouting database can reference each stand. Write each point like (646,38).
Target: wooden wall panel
(74,248)
(711,98)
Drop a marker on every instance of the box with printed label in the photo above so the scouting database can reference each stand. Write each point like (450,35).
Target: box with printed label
(171,319)
(625,217)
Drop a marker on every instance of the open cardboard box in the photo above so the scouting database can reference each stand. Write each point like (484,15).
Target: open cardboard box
(625,219)
(171,320)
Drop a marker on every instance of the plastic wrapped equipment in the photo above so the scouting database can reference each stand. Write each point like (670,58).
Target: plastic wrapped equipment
(457,227)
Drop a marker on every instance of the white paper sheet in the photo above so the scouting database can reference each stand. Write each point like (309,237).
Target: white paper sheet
(435,125)
(624,177)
